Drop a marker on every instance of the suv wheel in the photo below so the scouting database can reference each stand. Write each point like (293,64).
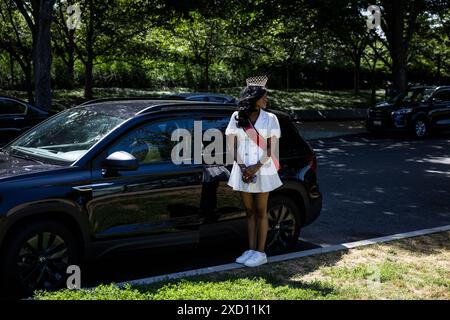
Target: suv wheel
(420,128)
(284,224)
(36,257)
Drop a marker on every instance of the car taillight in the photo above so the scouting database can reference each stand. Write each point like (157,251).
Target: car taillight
(312,160)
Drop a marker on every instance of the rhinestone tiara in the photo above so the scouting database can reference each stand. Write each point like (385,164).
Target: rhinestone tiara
(257,81)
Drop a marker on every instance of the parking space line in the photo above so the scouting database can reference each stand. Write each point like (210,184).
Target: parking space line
(288,256)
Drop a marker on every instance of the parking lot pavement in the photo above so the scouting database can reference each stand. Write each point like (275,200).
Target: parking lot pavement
(379,186)
(328,129)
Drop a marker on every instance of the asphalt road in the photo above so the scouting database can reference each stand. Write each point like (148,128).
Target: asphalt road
(380,186)
(372,186)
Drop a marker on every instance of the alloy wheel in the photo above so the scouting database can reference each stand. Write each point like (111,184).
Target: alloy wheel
(420,128)
(42,261)
(282,227)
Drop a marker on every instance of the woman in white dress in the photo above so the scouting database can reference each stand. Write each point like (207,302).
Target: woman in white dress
(254,172)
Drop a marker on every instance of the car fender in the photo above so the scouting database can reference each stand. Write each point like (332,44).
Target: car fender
(421,114)
(62,208)
(294,185)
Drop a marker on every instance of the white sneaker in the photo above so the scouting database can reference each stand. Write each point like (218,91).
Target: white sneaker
(257,259)
(245,256)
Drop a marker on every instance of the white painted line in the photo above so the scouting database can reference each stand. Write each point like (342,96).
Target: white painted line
(288,256)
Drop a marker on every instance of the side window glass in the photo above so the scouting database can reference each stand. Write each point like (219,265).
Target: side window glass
(217,99)
(11,107)
(198,98)
(442,96)
(152,143)
(290,141)
(217,123)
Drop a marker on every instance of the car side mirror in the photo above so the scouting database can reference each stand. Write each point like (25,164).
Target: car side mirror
(120,161)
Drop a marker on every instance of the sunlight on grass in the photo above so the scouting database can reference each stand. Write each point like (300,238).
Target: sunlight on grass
(293,99)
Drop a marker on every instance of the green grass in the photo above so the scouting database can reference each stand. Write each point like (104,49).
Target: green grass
(299,99)
(386,271)
(252,288)
(416,268)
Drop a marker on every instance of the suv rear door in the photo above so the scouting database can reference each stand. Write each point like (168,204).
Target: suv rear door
(223,211)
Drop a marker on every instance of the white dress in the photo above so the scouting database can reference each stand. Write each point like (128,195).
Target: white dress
(267,178)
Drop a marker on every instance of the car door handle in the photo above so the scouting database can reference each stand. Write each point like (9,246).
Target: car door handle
(90,187)
(18,118)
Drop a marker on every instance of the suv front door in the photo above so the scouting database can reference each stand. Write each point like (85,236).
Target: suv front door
(161,199)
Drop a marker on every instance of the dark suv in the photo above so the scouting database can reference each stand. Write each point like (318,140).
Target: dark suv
(98,179)
(420,110)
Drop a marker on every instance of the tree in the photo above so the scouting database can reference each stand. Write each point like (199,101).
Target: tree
(399,23)
(342,22)
(38,15)
(64,39)
(15,38)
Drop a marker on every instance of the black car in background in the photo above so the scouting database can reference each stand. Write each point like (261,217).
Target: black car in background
(17,116)
(420,110)
(203,96)
(98,179)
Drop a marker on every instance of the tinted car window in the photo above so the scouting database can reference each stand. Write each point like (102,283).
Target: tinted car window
(153,142)
(217,99)
(198,98)
(219,123)
(291,143)
(442,96)
(11,107)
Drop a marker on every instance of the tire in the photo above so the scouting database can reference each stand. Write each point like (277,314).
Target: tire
(284,224)
(36,257)
(420,128)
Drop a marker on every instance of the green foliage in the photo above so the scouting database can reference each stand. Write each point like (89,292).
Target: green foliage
(211,45)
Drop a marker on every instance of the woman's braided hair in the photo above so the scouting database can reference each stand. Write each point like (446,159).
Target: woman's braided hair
(247,104)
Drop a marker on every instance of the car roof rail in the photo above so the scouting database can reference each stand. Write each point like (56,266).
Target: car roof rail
(186,105)
(126,99)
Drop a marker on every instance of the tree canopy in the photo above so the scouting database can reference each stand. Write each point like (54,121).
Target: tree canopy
(208,45)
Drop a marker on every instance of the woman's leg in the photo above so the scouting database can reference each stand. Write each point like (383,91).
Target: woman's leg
(262,220)
(247,199)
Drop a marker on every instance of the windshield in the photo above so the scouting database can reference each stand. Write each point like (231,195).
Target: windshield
(65,137)
(427,95)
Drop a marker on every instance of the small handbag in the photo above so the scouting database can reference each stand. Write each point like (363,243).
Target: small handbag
(214,173)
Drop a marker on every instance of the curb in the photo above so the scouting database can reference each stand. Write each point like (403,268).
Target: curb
(289,256)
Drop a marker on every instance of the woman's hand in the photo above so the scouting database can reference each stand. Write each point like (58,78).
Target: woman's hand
(243,167)
(250,171)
